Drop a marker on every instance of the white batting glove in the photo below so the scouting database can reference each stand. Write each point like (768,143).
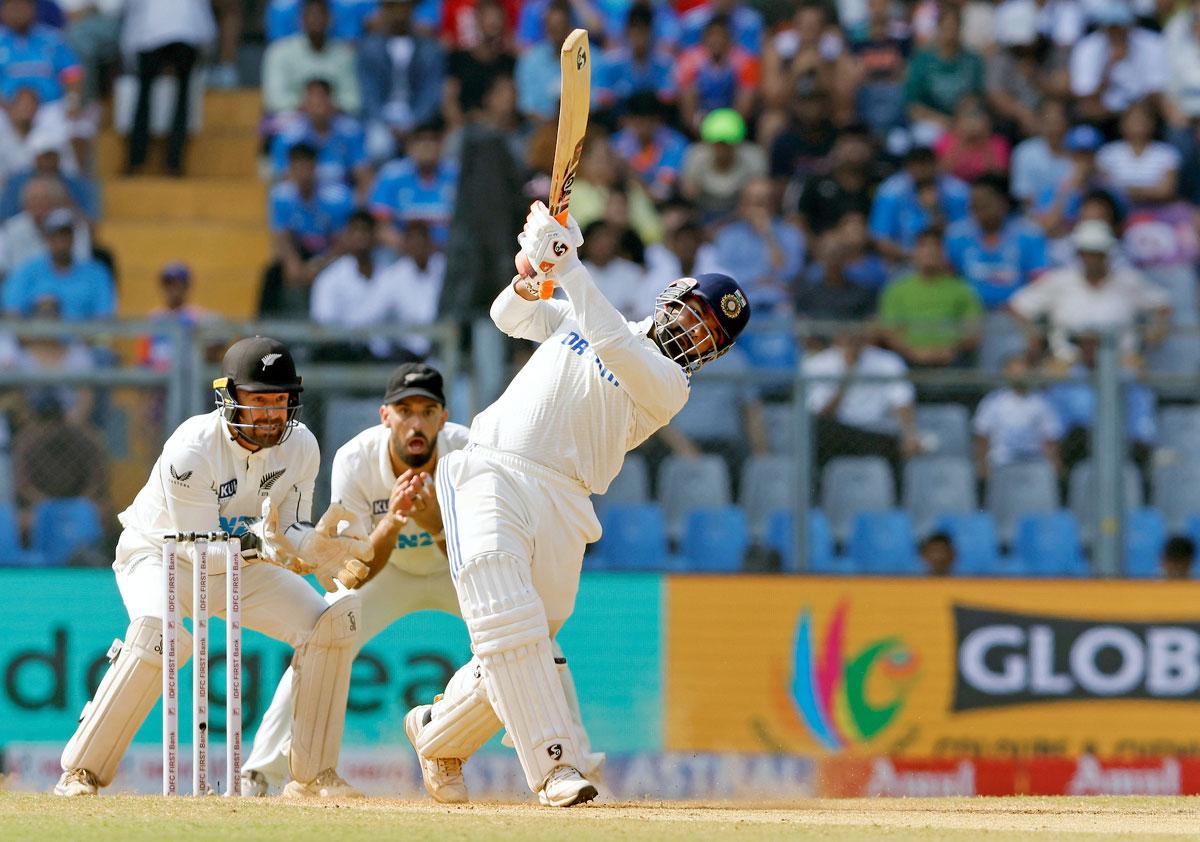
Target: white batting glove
(549,246)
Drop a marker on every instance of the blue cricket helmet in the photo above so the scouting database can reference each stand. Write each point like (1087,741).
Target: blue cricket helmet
(713,293)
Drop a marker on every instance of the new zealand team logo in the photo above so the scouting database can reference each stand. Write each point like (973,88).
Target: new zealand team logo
(268,480)
(848,698)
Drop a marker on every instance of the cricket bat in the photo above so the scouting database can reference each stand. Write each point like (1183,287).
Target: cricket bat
(573,105)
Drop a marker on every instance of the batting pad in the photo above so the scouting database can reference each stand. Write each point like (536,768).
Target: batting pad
(462,719)
(320,687)
(511,639)
(130,687)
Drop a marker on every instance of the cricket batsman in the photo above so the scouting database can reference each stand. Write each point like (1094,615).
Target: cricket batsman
(384,479)
(248,469)
(516,501)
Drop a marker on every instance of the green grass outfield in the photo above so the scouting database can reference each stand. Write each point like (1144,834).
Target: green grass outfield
(133,819)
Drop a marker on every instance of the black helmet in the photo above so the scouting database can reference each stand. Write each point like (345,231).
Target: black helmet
(257,364)
(718,295)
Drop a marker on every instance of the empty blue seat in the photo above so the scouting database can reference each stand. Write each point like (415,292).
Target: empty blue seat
(976,547)
(63,526)
(883,542)
(1179,427)
(765,486)
(715,539)
(1049,544)
(936,485)
(1144,536)
(1175,490)
(1081,495)
(1020,489)
(1002,337)
(778,536)
(634,538)
(853,484)
(631,485)
(686,483)
(947,426)
(777,418)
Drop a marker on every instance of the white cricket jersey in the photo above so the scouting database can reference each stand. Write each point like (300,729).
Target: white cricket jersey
(362,481)
(596,388)
(205,481)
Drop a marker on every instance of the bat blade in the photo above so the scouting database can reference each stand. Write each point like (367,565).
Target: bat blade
(575,61)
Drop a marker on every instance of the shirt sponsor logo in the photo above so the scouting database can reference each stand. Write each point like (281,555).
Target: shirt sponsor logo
(379,507)
(580,346)
(1011,659)
(227,489)
(180,478)
(412,542)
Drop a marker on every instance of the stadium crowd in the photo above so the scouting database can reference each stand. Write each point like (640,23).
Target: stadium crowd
(978,185)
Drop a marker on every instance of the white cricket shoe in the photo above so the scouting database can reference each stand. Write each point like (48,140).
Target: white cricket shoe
(328,784)
(443,776)
(565,787)
(77,782)
(254,784)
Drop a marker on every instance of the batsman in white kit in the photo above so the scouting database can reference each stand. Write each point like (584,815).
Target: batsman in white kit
(516,501)
(384,479)
(247,469)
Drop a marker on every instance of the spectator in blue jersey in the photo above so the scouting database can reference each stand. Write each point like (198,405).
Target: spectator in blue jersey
(82,288)
(1056,203)
(36,56)
(997,253)
(634,65)
(401,73)
(532,23)
(538,74)
(312,53)
(746,24)
(420,186)
(348,18)
(765,251)
(653,150)
(715,74)
(305,216)
(912,200)
(338,139)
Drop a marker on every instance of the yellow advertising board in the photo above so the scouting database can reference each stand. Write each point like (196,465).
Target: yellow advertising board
(936,667)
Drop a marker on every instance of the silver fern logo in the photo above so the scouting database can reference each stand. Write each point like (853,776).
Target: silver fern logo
(270,479)
(269,359)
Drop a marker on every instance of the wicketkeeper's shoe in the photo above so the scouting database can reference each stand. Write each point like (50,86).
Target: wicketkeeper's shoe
(328,784)
(565,787)
(443,776)
(77,782)
(254,784)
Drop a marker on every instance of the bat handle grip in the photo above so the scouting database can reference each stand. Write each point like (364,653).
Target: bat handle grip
(546,289)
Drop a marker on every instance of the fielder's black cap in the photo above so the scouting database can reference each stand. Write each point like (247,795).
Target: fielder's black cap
(261,364)
(415,379)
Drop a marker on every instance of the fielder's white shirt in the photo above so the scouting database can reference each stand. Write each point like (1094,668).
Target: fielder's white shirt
(362,481)
(205,481)
(596,388)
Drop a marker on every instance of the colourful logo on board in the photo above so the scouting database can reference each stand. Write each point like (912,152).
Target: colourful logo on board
(849,698)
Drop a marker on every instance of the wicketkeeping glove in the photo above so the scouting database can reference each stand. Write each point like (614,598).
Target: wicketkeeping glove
(322,550)
(549,246)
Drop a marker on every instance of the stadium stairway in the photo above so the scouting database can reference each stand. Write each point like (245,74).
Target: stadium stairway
(214,219)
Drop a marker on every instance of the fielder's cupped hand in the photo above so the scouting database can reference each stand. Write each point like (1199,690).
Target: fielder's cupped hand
(547,247)
(420,495)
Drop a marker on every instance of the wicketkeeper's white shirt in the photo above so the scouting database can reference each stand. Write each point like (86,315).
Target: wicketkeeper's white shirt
(205,481)
(596,388)
(362,481)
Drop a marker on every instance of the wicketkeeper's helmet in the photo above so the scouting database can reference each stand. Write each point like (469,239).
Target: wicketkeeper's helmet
(257,364)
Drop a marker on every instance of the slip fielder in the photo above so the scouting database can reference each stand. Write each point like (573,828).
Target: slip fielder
(246,468)
(516,500)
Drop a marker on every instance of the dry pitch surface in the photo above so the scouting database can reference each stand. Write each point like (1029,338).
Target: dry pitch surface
(44,817)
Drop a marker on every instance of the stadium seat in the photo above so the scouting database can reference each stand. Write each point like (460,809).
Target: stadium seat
(821,557)
(63,526)
(883,542)
(937,485)
(1081,495)
(634,538)
(715,539)
(689,483)
(853,484)
(777,417)
(948,426)
(1144,536)
(1179,427)
(1179,353)
(1175,491)
(765,486)
(975,545)
(1049,545)
(1002,337)
(632,485)
(1020,489)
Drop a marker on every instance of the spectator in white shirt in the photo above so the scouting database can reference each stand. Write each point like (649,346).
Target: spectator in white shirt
(27,129)
(683,253)
(1144,170)
(23,237)
(1094,296)
(1182,36)
(1116,65)
(622,281)
(867,418)
(1015,423)
(412,286)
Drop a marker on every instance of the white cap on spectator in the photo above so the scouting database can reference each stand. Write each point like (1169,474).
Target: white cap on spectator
(59,219)
(46,140)
(1093,235)
(1016,23)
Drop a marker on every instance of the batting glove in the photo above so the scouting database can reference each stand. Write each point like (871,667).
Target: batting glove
(549,246)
